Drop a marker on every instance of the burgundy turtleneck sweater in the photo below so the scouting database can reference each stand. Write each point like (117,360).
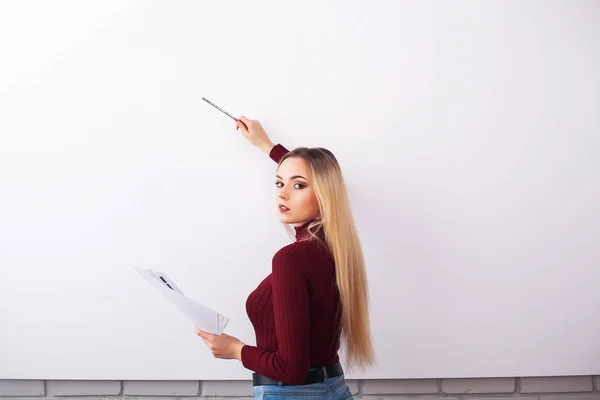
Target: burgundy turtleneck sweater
(294,309)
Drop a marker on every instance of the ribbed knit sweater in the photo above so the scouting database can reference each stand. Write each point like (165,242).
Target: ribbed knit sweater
(294,310)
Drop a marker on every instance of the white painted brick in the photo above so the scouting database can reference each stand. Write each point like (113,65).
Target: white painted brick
(222,398)
(559,384)
(214,389)
(2,397)
(118,398)
(161,388)
(478,385)
(594,396)
(399,386)
(16,387)
(215,398)
(352,385)
(227,388)
(84,388)
(408,397)
(518,397)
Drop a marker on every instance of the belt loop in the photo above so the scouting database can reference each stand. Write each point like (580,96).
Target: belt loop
(324,374)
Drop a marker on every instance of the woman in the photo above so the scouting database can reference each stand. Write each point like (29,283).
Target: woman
(316,294)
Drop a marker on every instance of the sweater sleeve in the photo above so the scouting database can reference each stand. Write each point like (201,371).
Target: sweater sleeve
(291,362)
(277,152)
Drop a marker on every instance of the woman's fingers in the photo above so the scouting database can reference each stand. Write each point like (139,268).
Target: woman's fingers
(207,337)
(201,333)
(253,132)
(244,128)
(244,123)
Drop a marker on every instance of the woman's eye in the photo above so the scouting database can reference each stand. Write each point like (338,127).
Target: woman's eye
(297,185)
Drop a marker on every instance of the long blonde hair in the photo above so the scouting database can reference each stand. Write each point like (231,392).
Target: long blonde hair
(340,233)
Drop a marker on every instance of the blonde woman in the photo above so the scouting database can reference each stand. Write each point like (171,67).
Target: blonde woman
(316,296)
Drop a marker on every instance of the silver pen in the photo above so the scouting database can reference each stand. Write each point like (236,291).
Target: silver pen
(220,109)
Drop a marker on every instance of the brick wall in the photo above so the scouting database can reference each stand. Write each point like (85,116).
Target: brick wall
(530,388)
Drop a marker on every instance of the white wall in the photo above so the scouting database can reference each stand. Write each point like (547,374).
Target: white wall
(467,131)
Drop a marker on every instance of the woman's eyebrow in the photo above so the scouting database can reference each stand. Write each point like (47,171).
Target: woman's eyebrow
(293,177)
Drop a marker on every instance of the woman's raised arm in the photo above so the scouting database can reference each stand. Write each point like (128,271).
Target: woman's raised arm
(254,132)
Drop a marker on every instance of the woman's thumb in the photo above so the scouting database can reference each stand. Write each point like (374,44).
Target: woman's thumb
(240,124)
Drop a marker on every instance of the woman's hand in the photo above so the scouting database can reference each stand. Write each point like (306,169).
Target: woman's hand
(222,346)
(254,132)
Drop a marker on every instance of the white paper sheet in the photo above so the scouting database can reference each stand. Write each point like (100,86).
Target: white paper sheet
(202,316)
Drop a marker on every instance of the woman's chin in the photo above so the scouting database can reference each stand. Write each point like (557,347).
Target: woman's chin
(283,217)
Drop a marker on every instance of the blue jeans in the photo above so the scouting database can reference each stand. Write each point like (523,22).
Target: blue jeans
(331,389)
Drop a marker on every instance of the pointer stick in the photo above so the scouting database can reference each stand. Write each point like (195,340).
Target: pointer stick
(220,109)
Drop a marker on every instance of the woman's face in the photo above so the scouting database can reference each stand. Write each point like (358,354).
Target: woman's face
(294,190)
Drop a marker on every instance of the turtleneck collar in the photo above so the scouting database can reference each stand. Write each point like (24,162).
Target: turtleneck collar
(302,230)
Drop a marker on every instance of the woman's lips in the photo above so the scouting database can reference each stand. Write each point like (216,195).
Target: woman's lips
(283,208)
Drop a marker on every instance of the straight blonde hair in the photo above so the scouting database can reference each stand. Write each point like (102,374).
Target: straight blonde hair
(340,233)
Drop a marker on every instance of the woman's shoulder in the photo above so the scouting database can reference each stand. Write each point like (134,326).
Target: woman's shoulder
(297,250)
(303,253)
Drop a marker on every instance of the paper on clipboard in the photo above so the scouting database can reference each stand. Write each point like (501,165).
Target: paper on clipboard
(202,316)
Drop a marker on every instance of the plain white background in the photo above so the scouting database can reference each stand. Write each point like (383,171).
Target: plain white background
(467,132)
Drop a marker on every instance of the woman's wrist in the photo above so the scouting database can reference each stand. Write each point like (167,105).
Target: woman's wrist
(238,353)
(268,147)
